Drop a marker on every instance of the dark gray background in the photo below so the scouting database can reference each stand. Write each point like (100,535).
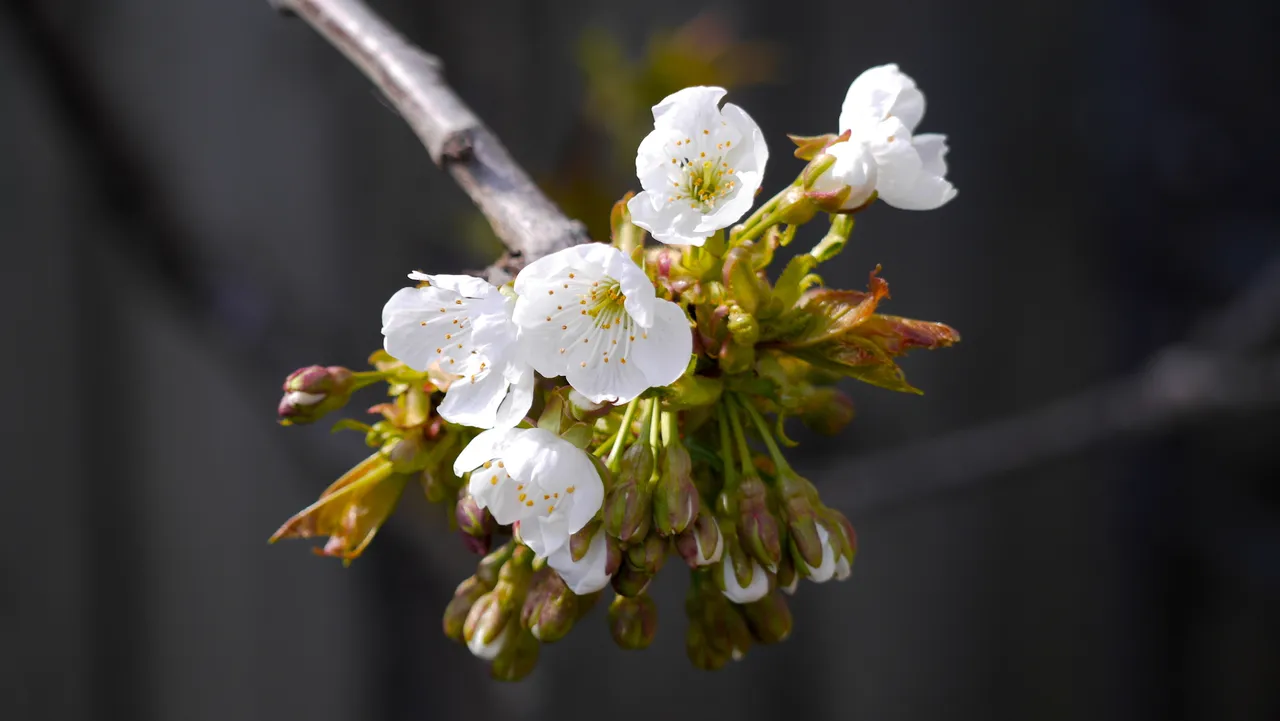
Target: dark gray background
(197,197)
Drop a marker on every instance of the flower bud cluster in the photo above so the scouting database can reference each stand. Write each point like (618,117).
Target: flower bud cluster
(619,404)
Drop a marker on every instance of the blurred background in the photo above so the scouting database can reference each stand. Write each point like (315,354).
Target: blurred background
(198,197)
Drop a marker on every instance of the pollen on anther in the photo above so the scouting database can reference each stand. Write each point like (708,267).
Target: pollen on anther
(673,161)
(529,503)
(727,143)
(551,508)
(488,464)
(706,132)
(564,327)
(623,361)
(570,489)
(548,319)
(562,351)
(442,310)
(633,337)
(615,341)
(584,340)
(546,496)
(571,275)
(501,464)
(702,155)
(551,292)
(423,323)
(458,302)
(493,481)
(439,350)
(555,495)
(583,364)
(448,336)
(521,497)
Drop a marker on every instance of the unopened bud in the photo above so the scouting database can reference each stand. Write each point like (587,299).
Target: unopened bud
(842,177)
(796,208)
(630,582)
(702,543)
(550,610)
(693,391)
(736,357)
(675,499)
(586,603)
(485,627)
(648,556)
(845,542)
(769,618)
(518,657)
(633,622)
(788,579)
(803,537)
(726,629)
(455,614)
(700,651)
(757,528)
(435,485)
(628,506)
(743,326)
(472,519)
(491,565)
(584,409)
(312,392)
(827,410)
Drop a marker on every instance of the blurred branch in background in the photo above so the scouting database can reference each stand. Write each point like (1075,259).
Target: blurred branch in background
(526,221)
(1215,371)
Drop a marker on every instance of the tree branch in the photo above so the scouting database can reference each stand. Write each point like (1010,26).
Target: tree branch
(1208,375)
(523,217)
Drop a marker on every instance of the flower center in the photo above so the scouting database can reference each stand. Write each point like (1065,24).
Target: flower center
(703,182)
(606,303)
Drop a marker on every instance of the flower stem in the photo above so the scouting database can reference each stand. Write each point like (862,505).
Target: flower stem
(726,451)
(765,435)
(744,451)
(754,224)
(624,430)
(655,418)
(670,431)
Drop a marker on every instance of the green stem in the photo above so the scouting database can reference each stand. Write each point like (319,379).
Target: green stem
(726,450)
(608,444)
(670,433)
(744,451)
(655,419)
(624,430)
(766,435)
(755,220)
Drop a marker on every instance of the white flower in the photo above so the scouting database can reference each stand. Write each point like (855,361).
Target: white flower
(881,111)
(700,167)
(590,314)
(536,478)
(587,575)
(842,568)
(827,568)
(489,651)
(854,168)
(735,592)
(461,326)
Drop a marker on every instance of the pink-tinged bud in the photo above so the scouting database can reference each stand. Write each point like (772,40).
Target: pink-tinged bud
(702,543)
(312,392)
(614,558)
(550,610)
(478,546)
(648,556)
(630,582)
(628,506)
(769,618)
(455,614)
(788,579)
(633,622)
(518,658)
(809,147)
(803,539)
(757,528)
(845,542)
(675,500)
(472,519)
(827,410)
(486,626)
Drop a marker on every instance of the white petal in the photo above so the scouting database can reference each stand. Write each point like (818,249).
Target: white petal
(674,222)
(662,351)
(932,149)
(752,593)
(827,568)
(490,651)
(466,285)
(485,447)
(754,150)
(493,488)
(842,569)
(543,270)
(854,168)
(928,192)
(586,575)
(544,535)
(519,397)
(633,283)
(688,107)
(879,93)
(701,559)
(474,401)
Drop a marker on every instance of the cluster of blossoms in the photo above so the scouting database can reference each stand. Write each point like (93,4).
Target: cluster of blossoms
(620,402)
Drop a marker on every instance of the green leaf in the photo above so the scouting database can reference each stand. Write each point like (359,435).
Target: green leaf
(856,358)
(830,313)
(350,424)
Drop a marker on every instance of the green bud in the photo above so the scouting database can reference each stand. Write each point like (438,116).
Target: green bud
(486,622)
(455,614)
(312,392)
(802,527)
(488,568)
(693,391)
(826,410)
(726,629)
(586,603)
(757,528)
(435,486)
(701,654)
(740,280)
(769,618)
(472,519)
(628,505)
(630,582)
(633,622)
(737,357)
(555,613)
(796,208)
(517,659)
(675,499)
(743,326)
(580,542)
(648,556)
(788,579)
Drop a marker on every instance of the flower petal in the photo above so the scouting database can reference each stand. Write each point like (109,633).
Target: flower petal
(475,401)
(827,568)
(757,590)
(662,351)
(690,106)
(519,397)
(486,446)
(879,93)
(586,575)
